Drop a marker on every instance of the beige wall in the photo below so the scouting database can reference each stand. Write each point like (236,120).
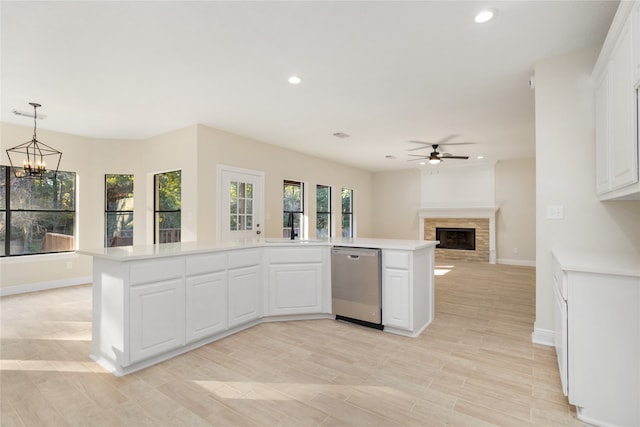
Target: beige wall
(195,150)
(278,164)
(565,175)
(396,202)
(516,219)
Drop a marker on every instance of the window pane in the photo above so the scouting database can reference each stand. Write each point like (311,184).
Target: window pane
(249,207)
(119,229)
(292,201)
(322,198)
(347,230)
(3,187)
(322,226)
(39,232)
(168,227)
(119,192)
(169,189)
(346,200)
(3,227)
(233,220)
(249,193)
(249,222)
(50,194)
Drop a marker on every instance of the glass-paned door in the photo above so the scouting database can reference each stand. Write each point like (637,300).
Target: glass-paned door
(240,202)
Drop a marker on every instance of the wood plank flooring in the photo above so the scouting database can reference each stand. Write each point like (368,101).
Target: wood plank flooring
(474,366)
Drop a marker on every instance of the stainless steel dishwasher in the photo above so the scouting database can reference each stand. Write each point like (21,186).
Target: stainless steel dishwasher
(356,285)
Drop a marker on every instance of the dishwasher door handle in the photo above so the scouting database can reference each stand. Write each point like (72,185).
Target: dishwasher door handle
(353,257)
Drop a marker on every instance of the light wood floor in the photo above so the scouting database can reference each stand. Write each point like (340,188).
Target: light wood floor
(474,366)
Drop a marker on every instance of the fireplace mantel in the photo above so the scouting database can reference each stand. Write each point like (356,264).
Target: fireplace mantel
(458,211)
(464,211)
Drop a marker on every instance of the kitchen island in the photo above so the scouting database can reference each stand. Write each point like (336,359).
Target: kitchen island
(153,302)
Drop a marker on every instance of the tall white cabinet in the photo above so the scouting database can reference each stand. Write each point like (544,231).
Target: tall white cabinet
(617,81)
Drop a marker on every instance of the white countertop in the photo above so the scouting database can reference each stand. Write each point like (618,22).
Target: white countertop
(131,253)
(595,261)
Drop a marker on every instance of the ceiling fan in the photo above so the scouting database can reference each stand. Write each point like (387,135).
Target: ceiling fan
(435,157)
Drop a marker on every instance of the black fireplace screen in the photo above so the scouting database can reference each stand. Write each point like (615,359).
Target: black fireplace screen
(456,238)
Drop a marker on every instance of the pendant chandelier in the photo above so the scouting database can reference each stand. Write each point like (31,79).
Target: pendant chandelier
(32,154)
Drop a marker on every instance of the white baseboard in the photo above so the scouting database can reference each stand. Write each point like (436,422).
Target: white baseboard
(543,337)
(43,286)
(520,262)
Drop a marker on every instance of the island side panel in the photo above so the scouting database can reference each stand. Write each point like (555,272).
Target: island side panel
(110,303)
(423,289)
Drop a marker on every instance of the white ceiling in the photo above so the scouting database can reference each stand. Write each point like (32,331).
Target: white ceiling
(384,72)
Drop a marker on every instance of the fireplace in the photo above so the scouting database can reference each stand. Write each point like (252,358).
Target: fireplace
(456,238)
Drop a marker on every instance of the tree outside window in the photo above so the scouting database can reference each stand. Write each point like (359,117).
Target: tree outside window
(347,212)
(323,211)
(118,210)
(293,208)
(168,205)
(37,215)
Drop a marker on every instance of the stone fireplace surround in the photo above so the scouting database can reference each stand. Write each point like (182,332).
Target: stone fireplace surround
(482,218)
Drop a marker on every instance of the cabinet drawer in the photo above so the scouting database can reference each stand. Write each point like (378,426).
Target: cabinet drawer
(294,255)
(156,271)
(396,259)
(244,258)
(209,263)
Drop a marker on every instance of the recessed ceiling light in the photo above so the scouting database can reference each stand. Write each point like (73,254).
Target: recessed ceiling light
(422,163)
(294,80)
(480,157)
(486,15)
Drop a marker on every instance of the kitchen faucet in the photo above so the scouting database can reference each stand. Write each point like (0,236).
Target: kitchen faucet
(292,233)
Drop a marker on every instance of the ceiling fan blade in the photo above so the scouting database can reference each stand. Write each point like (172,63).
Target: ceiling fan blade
(420,158)
(454,157)
(458,143)
(418,155)
(419,148)
(445,139)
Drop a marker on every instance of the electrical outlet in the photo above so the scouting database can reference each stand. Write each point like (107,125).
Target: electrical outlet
(555,212)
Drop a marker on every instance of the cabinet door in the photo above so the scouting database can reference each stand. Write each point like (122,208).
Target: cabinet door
(157,318)
(396,299)
(244,295)
(206,305)
(623,147)
(603,179)
(295,289)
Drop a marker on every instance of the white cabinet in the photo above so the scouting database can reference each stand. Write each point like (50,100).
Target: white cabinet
(616,79)
(598,338)
(297,280)
(396,298)
(244,286)
(157,318)
(407,290)
(206,312)
(206,296)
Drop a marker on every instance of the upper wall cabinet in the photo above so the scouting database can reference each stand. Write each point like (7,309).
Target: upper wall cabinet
(617,77)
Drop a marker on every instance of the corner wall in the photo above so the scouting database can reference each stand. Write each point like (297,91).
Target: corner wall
(565,175)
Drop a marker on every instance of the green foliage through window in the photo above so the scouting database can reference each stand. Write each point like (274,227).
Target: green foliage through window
(37,215)
(168,205)
(118,210)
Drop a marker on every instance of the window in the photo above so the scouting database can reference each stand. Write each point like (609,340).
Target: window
(37,215)
(118,210)
(347,212)
(167,218)
(323,211)
(240,206)
(293,209)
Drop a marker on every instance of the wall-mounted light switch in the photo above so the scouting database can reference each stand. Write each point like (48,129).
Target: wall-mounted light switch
(555,212)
